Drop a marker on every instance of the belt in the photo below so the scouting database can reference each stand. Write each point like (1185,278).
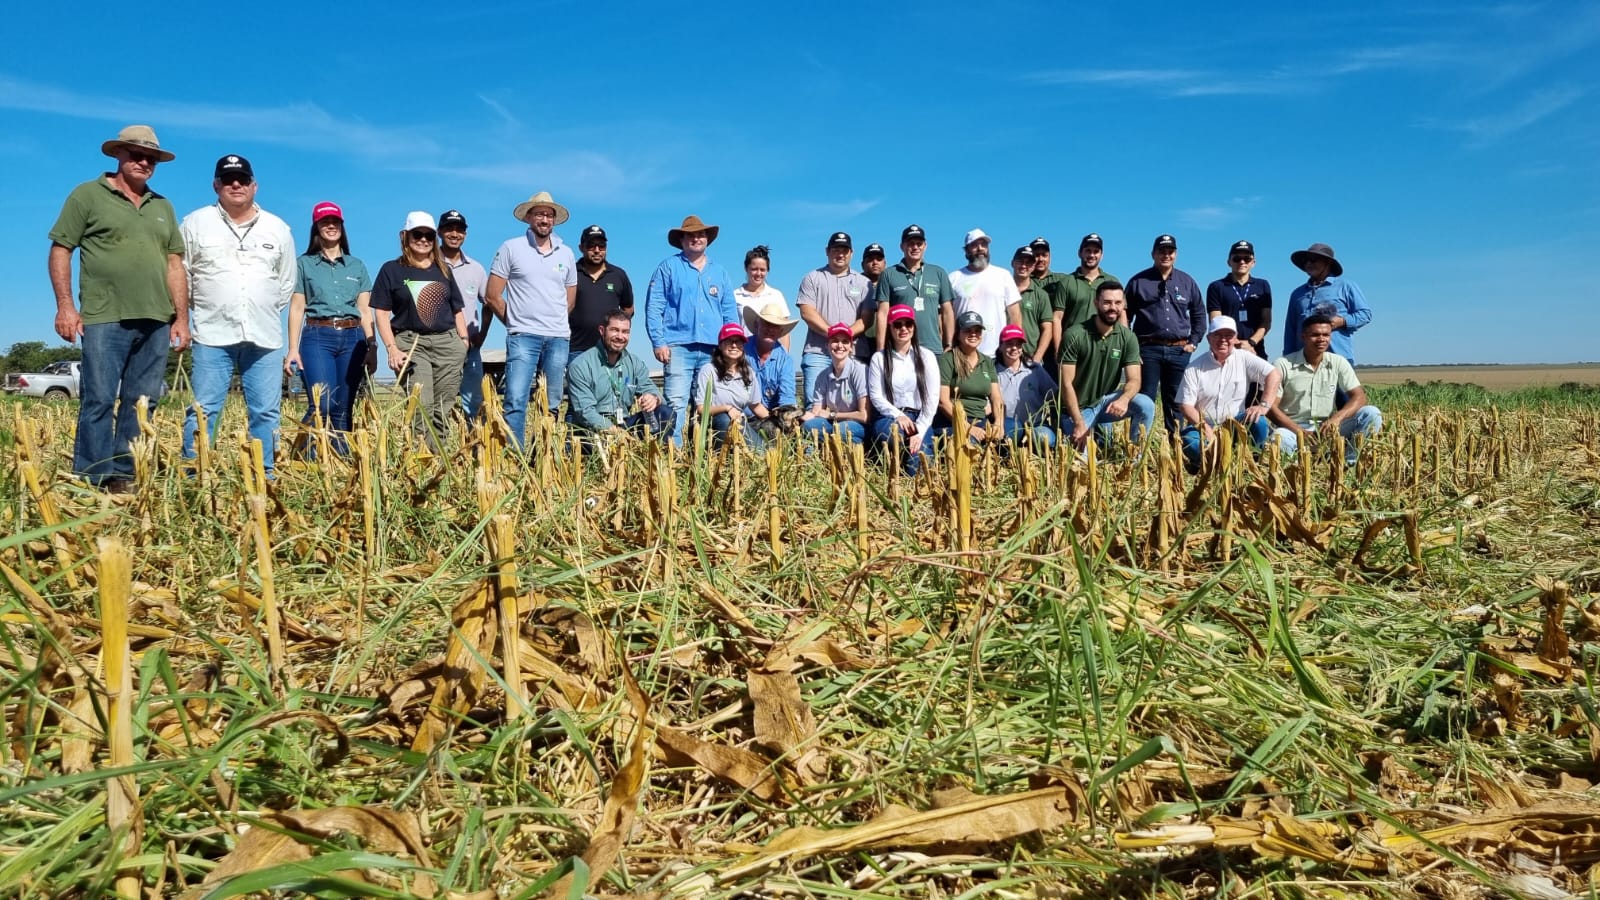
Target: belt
(340,322)
(1164,342)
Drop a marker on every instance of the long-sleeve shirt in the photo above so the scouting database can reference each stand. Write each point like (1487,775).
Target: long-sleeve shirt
(601,393)
(1334,297)
(776,374)
(240,277)
(685,305)
(903,393)
(1170,309)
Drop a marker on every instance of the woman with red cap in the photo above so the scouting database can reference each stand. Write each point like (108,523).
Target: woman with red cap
(1027,390)
(726,392)
(903,388)
(841,391)
(331,324)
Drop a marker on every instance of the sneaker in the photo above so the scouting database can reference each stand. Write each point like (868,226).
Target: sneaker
(118,486)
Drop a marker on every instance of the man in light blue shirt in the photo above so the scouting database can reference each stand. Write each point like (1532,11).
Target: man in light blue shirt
(689,299)
(533,286)
(1325,293)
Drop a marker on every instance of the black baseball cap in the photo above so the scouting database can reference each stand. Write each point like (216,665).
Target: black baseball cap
(1165,242)
(1091,238)
(913,232)
(452,218)
(874,250)
(839,239)
(594,234)
(1039,243)
(1242,248)
(968,319)
(1026,250)
(233,164)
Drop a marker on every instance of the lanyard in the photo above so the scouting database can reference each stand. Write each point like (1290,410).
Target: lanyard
(228,221)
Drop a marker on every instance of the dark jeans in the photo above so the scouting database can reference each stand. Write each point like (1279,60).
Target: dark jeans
(336,360)
(1162,369)
(122,361)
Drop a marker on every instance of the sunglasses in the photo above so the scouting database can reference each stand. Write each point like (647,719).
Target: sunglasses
(141,156)
(423,236)
(231,180)
(903,323)
(1240,259)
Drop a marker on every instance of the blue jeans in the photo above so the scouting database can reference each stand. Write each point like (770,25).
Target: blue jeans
(1040,434)
(1162,369)
(681,368)
(1367,422)
(722,423)
(655,424)
(261,373)
(849,432)
(122,361)
(472,383)
(1191,435)
(336,360)
(883,433)
(1141,411)
(812,365)
(527,354)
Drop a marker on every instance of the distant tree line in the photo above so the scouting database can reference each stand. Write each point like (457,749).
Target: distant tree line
(33,356)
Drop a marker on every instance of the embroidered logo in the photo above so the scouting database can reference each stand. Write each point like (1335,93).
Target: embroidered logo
(713,290)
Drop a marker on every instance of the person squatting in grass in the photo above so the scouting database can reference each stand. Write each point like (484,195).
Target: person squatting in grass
(726,392)
(331,325)
(1305,411)
(839,397)
(968,377)
(609,391)
(422,323)
(903,388)
(1095,356)
(1027,392)
(775,368)
(1215,388)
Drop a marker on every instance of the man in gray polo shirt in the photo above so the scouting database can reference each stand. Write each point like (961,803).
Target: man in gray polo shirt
(533,286)
(829,296)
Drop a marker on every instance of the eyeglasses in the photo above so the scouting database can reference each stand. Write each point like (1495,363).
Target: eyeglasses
(141,156)
(1243,259)
(420,236)
(231,180)
(538,214)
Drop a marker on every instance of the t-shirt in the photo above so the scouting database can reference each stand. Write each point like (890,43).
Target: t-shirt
(122,252)
(925,291)
(422,300)
(988,292)
(598,297)
(836,298)
(842,392)
(972,392)
(1098,360)
(1036,310)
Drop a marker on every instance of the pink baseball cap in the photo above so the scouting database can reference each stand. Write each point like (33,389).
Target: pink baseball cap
(325,209)
(896,313)
(1013,333)
(732,330)
(840,329)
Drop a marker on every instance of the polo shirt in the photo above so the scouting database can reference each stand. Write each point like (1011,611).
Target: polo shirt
(1306,395)
(776,375)
(836,298)
(240,277)
(925,291)
(601,393)
(750,303)
(686,305)
(1036,310)
(421,300)
(331,286)
(1075,295)
(972,392)
(1218,391)
(1249,304)
(1334,297)
(989,292)
(471,278)
(1098,360)
(536,285)
(598,296)
(732,390)
(1026,391)
(1166,310)
(122,251)
(842,391)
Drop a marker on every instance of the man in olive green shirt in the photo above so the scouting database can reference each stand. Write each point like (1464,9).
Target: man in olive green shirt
(1095,356)
(133,300)
(1038,323)
(1074,299)
(1311,378)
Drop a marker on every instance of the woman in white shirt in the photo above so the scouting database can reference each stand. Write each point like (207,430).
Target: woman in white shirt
(755,292)
(903,387)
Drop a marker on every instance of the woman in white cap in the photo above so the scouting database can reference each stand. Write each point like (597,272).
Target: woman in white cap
(331,327)
(969,378)
(1026,390)
(421,321)
(734,392)
(903,388)
(755,294)
(841,391)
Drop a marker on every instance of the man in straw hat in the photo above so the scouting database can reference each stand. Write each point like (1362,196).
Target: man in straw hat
(133,300)
(1325,293)
(688,301)
(775,368)
(533,286)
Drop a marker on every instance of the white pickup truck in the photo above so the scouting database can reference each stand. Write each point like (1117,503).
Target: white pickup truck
(58,381)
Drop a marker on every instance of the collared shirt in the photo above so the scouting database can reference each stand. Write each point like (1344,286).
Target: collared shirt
(1218,391)
(842,391)
(331,286)
(1074,295)
(1334,297)
(1098,360)
(1036,310)
(1248,304)
(686,305)
(776,374)
(731,390)
(1306,395)
(471,277)
(1026,391)
(122,251)
(536,284)
(1166,310)
(925,291)
(241,277)
(601,393)
(750,303)
(836,298)
(599,295)
(972,389)
(989,292)
(904,392)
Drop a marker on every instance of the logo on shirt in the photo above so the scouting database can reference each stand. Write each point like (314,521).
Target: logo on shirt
(713,290)
(266,246)
(610,288)
(1116,353)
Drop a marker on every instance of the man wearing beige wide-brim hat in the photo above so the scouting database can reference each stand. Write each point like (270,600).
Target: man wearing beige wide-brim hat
(133,300)
(533,286)
(689,299)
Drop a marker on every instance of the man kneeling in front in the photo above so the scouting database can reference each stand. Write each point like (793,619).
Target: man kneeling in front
(1311,378)
(1216,387)
(609,390)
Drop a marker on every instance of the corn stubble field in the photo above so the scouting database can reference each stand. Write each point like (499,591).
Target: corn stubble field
(723,673)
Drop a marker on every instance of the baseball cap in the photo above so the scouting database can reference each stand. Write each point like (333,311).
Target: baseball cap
(968,319)
(452,218)
(1025,251)
(874,250)
(594,234)
(1012,333)
(840,329)
(913,233)
(896,313)
(1222,323)
(1091,238)
(839,239)
(976,234)
(1242,247)
(732,330)
(419,219)
(325,210)
(1039,243)
(1165,242)
(233,164)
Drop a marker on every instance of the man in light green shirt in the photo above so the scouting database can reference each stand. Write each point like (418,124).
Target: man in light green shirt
(1312,378)
(609,390)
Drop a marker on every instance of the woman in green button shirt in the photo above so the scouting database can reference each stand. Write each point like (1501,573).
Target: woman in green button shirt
(969,378)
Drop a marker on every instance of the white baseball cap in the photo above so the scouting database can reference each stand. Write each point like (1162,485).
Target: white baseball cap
(419,219)
(1223,323)
(975,234)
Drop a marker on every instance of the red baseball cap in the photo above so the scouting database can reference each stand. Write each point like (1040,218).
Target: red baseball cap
(896,313)
(1013,333)
(840,329)
(732,330)
(324,210)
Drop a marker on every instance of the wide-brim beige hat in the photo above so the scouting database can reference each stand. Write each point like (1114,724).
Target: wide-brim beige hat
(139,137)
(773,313)
(692,225)
(542,198)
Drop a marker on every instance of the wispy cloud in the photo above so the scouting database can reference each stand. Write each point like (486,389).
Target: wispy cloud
(501,111)
(1214,216)
(1168,82)
(1540,105)
(833,211)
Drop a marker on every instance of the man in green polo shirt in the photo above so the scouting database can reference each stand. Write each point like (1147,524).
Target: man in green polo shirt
(1038,326)
(1073,295)
(133,299)
(922,286)
(1095,356)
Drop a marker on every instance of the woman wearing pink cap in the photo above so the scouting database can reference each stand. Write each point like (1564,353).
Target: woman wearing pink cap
(840,391)
(1027,390)
(735,395)
(331,324)
(903,388)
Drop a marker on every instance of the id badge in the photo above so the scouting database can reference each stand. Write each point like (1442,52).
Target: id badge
(920,304)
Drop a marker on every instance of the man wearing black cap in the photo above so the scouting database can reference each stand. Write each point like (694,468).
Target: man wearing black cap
(603,288)
(1038,325)
(241,264)
(1325,293)
(1245,300)
(472,278)
(829,296)
(873,261)
(922,286)
(1074,301)
(1168,314)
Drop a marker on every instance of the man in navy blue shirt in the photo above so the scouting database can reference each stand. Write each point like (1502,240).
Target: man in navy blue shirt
(1168,316)
(1246,300)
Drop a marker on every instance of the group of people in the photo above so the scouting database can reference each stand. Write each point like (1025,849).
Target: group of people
(891,351)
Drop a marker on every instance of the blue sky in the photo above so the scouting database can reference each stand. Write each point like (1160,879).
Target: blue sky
(1445,151)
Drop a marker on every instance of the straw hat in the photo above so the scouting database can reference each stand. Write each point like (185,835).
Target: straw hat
(542,198)
(692,225)
(139,137)
(774,313)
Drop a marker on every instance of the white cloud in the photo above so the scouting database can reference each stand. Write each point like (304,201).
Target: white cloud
(1214,216)
(1539,105)
(833,211)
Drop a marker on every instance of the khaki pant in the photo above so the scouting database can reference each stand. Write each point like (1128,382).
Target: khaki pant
(435,365)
